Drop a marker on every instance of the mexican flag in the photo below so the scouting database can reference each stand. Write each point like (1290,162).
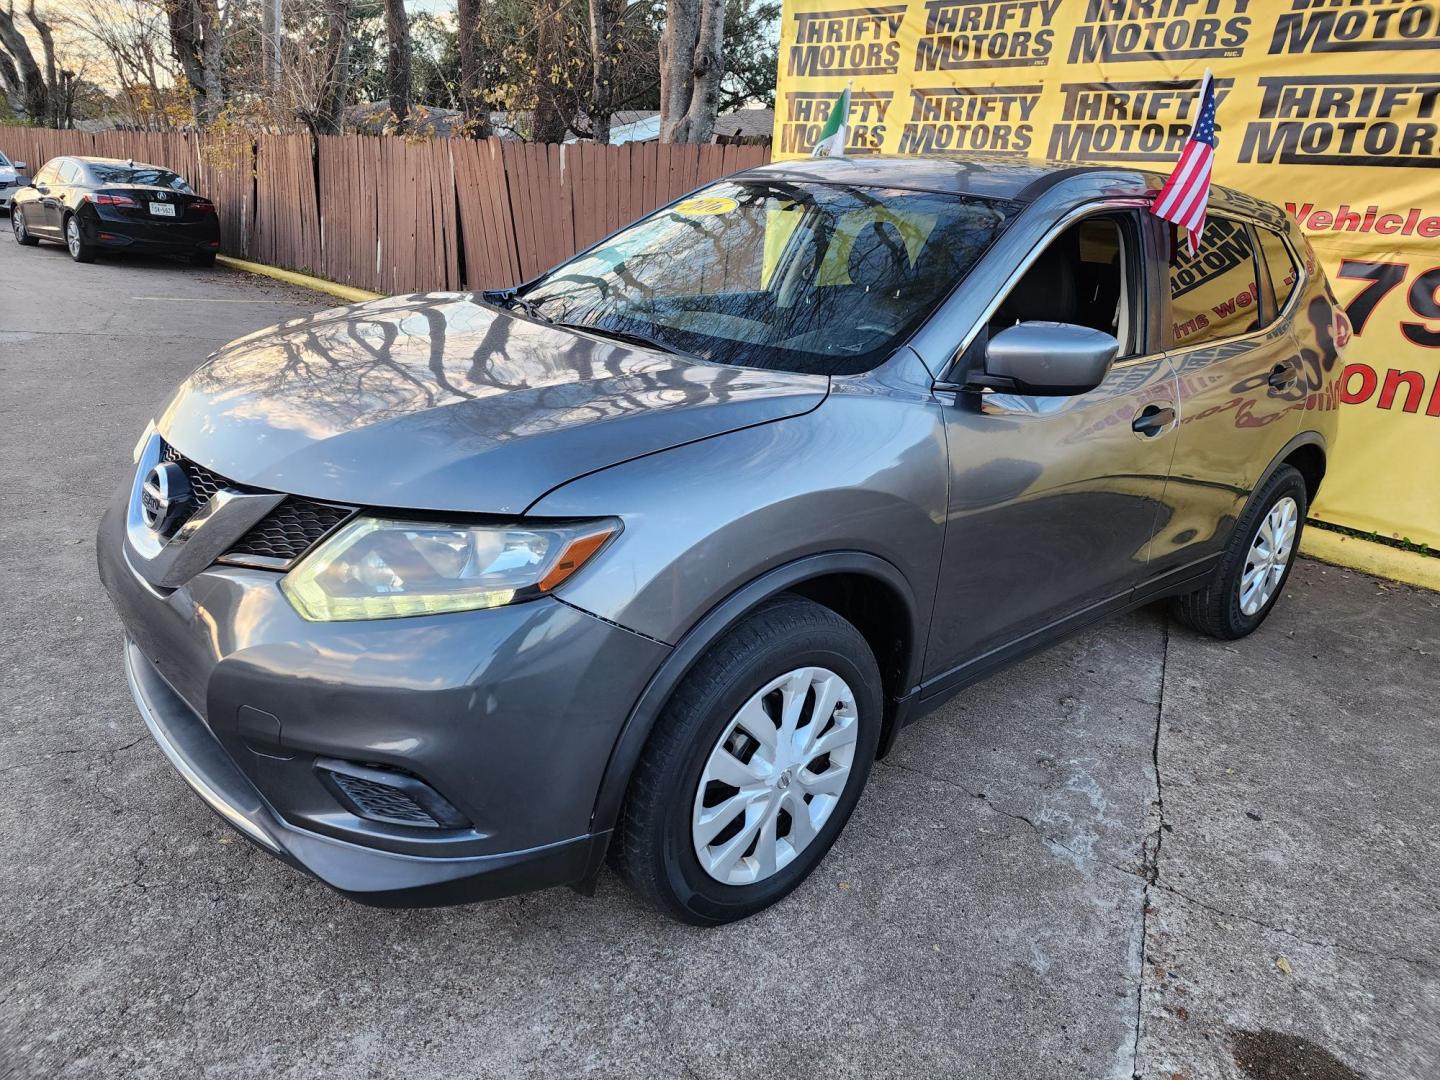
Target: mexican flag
(832,136)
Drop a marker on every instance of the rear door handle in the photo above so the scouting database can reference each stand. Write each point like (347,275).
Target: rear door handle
(1153,419)
(1281,376)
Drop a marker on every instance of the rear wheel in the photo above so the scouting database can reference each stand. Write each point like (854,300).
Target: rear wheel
(754,766)
(81,250)
(17,226)
(1256,563)
(203,258)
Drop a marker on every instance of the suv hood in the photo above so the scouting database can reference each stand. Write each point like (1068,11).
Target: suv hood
(441,402)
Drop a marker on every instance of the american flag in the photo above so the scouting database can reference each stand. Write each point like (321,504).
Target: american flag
(1183,198)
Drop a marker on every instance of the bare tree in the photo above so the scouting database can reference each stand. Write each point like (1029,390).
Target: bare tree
(470,43)
(197,39)
(133,35)
(11,85)
(692,64)
(335,74)
(397,60)
(605,17)
(26,90)
(54,96)
(550,119)
(273,42)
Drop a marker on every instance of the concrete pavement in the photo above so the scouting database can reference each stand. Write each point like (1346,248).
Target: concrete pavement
(1140,853)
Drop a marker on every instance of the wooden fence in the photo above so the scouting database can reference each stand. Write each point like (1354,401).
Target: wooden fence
(394,216)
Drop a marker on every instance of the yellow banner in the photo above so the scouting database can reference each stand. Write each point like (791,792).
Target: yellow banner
(1330,108)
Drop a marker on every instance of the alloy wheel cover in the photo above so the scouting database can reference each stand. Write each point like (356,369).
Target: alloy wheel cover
(1270,553)
(775,776)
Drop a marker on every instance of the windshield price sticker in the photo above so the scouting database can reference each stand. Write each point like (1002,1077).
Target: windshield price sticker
(706,206)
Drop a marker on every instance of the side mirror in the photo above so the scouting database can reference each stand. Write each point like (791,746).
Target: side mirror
(19,166)
(1049,358)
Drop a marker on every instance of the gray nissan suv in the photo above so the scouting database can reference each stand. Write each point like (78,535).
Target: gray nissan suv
(451,596)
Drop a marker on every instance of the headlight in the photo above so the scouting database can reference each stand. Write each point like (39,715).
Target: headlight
(378,569)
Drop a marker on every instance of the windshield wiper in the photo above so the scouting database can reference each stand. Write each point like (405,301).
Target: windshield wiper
(509,298)
(629,337)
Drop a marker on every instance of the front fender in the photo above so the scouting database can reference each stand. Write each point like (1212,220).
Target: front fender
(695,643)
(863,473)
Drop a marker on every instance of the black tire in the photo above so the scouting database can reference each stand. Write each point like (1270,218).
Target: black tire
(81,250)
(203,259)
(653,848)
(19,230)
(1215,609)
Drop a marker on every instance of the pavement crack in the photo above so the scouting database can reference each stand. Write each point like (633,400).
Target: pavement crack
(1340,946)
(1151,845)
(993,808)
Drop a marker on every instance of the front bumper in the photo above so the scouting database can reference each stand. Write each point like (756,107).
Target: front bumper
(382,878)
(7,195)
(509,714)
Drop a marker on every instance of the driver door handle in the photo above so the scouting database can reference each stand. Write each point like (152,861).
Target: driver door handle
(1152,420)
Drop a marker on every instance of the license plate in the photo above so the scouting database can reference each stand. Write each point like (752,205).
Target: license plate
(162,209)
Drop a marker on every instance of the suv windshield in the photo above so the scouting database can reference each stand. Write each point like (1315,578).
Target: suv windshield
(810,278)
(144,175)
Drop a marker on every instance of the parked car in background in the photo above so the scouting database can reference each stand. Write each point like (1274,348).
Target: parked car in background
(12,174)
(447,596)
(103,204)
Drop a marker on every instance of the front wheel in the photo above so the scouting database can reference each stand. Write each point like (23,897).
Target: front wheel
(81,250)
(17,226)
(753,767)
(1256,563)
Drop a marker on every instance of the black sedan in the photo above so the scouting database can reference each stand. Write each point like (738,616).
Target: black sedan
(96,204)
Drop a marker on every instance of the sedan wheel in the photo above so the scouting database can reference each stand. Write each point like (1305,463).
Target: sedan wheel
(80,251)
(17,226)
(775,776)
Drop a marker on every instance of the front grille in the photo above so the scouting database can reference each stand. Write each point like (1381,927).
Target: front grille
(290,530)
(281,536)
(203,483)
(381,803)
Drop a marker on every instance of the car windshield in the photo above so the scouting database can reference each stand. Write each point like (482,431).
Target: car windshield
(4,161)
(144,175)
(815,278)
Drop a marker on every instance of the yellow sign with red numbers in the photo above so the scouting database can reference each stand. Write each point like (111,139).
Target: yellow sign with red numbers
(1330,108)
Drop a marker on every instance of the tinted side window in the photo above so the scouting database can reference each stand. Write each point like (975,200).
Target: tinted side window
(1214,294)
(1284,274)
(49,174)
(70,173)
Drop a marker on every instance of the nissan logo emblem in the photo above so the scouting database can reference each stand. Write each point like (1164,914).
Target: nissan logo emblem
(164,496)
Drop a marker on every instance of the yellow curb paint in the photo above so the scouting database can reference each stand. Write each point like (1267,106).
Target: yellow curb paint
(1379,559)
(305,281)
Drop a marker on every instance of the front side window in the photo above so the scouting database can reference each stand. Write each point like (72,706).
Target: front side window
(144,175)
(1085,276)
(1213,294)
(814,278)
(49,174)
(1284,274)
